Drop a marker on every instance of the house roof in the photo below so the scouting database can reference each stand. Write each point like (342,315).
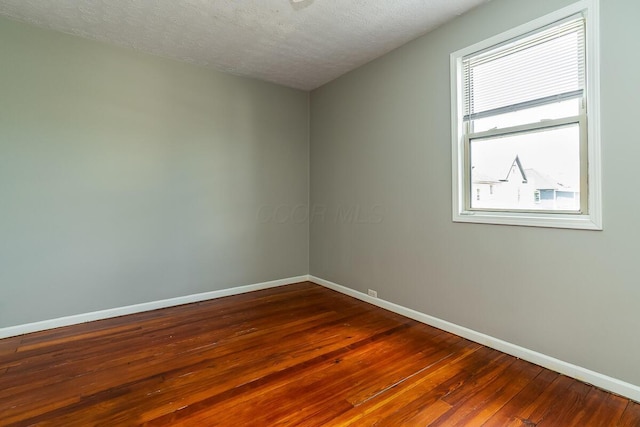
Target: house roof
(543,181)
(483,177)
(540,181)
(518,163)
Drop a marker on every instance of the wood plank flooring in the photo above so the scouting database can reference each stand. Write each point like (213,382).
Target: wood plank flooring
(297,355)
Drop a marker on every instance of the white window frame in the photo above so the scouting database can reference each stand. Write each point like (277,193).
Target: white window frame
(592,218)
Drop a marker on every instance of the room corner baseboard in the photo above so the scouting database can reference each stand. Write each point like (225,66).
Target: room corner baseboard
(138,308)
(597,379)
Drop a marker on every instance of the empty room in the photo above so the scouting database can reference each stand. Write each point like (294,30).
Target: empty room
(319,213)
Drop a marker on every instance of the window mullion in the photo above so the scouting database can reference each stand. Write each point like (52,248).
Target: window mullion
(528,127)
(524,105)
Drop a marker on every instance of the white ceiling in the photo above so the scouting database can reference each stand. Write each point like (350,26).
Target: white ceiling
(297,43)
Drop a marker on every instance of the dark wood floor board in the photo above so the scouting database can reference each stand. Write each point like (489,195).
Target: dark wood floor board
(226,314)
(490,396)
(269,353)
(345,378)
(404,366)
(217,365)
(501,391)
(297,382)
(421,403)
(241,302)
(271,381)
(494,367)
(108,355)
(149,336)
(121,356)
(402,341)
(418,398)
(600,408)
(572,402)
(630,416)
(512,412)
(549,399)
(298,355)
(155,339)
(328,379)
(9,345)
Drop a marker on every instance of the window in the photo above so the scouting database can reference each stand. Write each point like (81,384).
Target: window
(526,124)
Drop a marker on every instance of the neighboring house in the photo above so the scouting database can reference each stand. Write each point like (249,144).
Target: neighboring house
(521,189)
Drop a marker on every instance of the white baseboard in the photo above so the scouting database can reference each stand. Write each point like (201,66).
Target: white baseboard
(138,308)
(605,382)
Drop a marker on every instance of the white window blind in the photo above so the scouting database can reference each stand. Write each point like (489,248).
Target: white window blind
(537,69)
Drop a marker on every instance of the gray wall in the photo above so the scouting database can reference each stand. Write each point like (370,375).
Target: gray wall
(380,137)
(127,178)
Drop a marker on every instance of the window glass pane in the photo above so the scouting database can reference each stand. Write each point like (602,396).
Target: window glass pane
(558,110)
(538,170)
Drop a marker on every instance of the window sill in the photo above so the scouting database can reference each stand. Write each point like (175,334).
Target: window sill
(530,219)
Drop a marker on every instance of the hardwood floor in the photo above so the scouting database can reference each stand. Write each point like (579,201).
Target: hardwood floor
(298,355)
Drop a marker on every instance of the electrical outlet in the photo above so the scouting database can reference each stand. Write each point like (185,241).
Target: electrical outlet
(372,293)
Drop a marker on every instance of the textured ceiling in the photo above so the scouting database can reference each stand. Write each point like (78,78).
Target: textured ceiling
(297,43)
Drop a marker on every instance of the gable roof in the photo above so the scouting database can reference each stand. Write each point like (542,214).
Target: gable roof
(539,180)
(517,163)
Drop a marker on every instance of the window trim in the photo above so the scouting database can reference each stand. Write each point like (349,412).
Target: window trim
(592,218)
